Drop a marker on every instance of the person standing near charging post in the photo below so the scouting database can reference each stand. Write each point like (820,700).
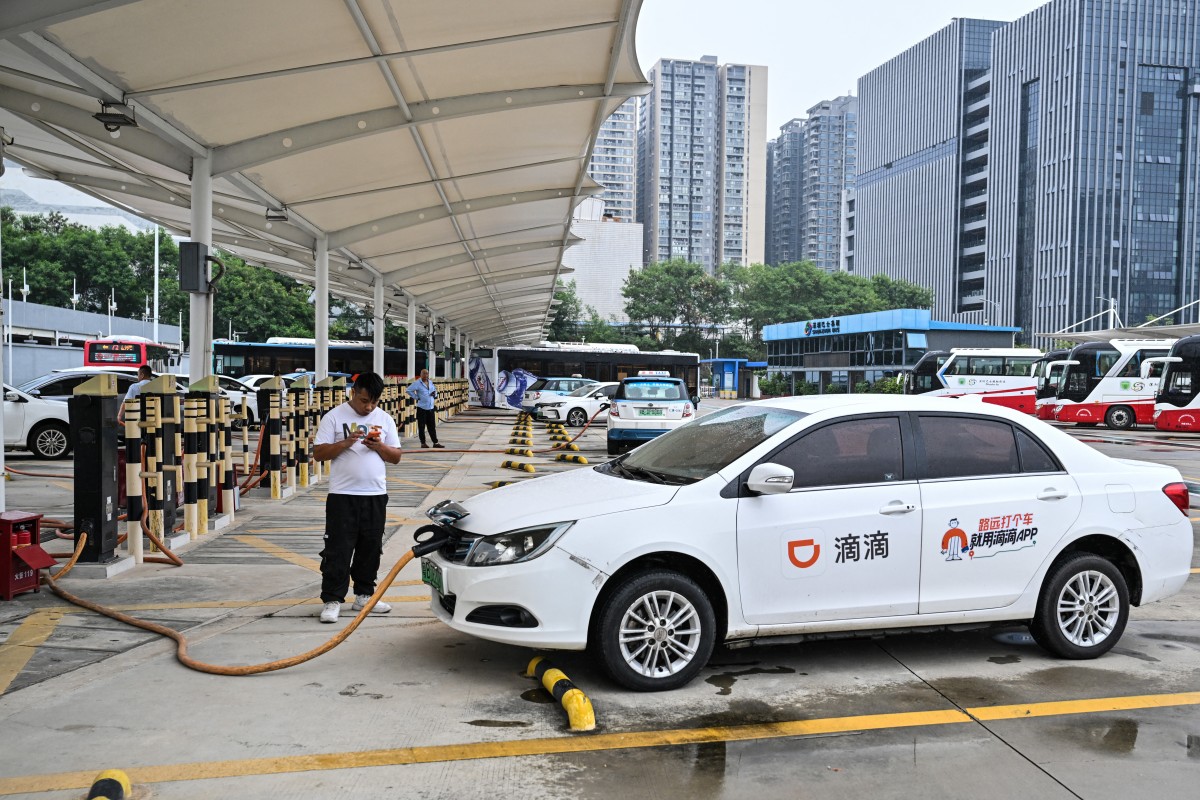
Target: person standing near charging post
(361,440)
(424,393)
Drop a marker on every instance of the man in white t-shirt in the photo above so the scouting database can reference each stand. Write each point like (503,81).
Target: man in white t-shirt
(361,440)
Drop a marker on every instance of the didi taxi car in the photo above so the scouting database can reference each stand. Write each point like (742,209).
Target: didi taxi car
(799,517)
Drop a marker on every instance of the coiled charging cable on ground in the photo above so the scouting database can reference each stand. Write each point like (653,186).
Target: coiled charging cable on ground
(438,537)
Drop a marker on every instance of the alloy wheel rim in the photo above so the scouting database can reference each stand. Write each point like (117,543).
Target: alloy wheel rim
(575,419)
(52,442)
(660,634)
(1088,608)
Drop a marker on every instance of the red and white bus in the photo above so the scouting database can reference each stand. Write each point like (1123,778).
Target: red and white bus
(1048,372)
(1001,376)
(129,352)
(1103,382)
(1177,404)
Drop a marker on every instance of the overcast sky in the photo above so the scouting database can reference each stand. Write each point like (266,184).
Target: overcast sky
(814,49)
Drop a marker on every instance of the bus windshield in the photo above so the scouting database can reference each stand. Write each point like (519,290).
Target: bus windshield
(923,377)
(1090,367)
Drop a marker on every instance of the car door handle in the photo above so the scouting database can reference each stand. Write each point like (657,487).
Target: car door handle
(1052,494)
(897,508)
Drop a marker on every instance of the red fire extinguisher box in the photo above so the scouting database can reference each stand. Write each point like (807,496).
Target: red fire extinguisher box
(20,554)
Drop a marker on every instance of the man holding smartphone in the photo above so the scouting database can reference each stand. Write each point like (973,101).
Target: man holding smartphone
(361,440)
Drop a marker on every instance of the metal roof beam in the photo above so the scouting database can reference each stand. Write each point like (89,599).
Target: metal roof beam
(21,16)
(134,140)
(466,302)
(70,67)
(494,279)
(303,138)
(477,240)
(182,199)
(421,216)
(444,283)
(381,58)
(404,274)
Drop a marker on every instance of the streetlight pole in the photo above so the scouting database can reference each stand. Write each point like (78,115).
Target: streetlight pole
(992,303)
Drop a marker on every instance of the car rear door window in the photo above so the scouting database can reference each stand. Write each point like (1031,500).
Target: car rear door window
(844,453)
(1034,455)
(965,447)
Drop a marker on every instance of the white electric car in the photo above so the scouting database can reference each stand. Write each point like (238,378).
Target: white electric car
(576,408)
(799,517)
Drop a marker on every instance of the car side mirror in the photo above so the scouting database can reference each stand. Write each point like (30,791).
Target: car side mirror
(770,479)
(13,397)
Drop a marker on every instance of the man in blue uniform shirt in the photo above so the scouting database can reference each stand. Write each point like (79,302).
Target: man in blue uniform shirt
(424,393)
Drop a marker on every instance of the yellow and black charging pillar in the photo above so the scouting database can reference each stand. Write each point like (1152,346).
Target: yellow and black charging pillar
(161,416)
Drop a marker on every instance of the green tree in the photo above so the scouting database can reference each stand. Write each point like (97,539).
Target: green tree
(667,292)
(564,325)
(900,294)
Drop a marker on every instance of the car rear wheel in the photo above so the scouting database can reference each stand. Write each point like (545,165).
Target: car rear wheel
(1120,418)
(1083,608)
(614,449)
(577,417)
(655,632)
(50,440)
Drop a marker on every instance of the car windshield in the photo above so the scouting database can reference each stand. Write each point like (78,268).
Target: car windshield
(653,390)
(583,391)
(705,445)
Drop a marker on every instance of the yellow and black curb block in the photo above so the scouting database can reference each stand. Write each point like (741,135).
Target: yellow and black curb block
(579,709)
(518,451)
(517,465)
(570,458)
(112,784)
(498,484)
(521,440)
(559,437)
(561,446)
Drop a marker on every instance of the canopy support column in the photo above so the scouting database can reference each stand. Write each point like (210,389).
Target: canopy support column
(200,307)
(431,347)
(380,324)
(322,312)
(411,364)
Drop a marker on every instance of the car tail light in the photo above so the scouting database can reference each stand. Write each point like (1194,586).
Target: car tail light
(1179,495)
(612,411)
(687,410)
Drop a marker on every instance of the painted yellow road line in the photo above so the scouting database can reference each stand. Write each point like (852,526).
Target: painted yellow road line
(1097,706)
(1196,571)
(23,642)
(392,479)
(280,552)
(310,529)
(400,756)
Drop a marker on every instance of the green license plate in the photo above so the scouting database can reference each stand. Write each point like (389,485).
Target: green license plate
(431,574)
(650,412)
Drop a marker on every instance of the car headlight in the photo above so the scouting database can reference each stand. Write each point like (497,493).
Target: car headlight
(553,405)
(515,546)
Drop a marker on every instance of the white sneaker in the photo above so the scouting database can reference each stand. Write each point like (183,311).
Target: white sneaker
(331,612)
(361,600)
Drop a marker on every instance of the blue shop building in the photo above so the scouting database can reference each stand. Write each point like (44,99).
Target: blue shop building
(844,351)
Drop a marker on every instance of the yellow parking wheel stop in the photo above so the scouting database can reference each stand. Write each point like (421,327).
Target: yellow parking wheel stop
(580,713)
(112,784)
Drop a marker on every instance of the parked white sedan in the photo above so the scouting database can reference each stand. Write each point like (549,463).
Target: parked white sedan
(40,426)
(576,408)
(802,516)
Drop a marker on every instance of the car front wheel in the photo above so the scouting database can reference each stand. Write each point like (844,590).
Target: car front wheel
(655,632)
(1083,608)
(577,418)
(50,440)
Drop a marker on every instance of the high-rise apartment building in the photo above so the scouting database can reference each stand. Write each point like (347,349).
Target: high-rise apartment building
(786,202)
(702,162)
(1033,172)
(829,162)
(921,191)
(614,162)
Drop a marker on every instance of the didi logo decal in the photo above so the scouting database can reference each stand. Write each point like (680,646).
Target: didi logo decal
(954,541)
(798,549)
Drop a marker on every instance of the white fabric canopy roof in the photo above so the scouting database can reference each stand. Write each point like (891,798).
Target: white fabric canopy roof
(440,147)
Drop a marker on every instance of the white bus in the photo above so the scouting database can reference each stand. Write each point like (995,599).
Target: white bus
(1001,376)
(1103,382)
(1177,404)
